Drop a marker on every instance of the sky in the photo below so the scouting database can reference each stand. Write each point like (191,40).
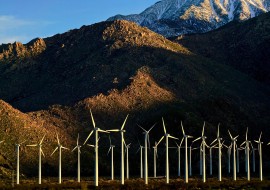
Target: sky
(24,20)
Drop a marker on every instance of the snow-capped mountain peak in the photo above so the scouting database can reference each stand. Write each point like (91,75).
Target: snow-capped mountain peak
(174,17)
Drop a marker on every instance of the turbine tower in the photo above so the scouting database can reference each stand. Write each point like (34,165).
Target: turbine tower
(203,153)
(146,140)
(122,150)
(179,156)
(155,159)
(234,139)
(96,130)
(260,154)
(186,152)
(141,158)
(18,161)
(59,147)
(127,159)
(78,147)
(253,157)
(247,156)
(219,154)
(112,163)
(167,136)
(40,152)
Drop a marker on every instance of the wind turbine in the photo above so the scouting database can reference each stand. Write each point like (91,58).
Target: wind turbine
(219,154)
(179,156)
(247,156)
(155,159)
(203,152)
(122,149)
(190,163)
(260,154)
(127,160)
(146,140)
(78,147)
(40,152)
(112,163)
(253,157)
(96,130)
(18,161)
(229,151)
(141,158)
(186,153)
(59,147)
(167,136)
(210,157)
(234,139)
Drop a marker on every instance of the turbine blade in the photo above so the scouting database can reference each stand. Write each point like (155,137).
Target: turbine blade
(176,144)
(213,141)
(243,143)
(152,127)
(74,148)
(256,141)
(93,121)
(42,153)
(236,137)
(57,138)
(230,134)
(182,128)
(109,150)
(78,139)
(123,125)
(181,142)
(54,151)
(138,150)
(260,137)
(203,128)
(42,139)
(142,129)
(189,136)
(197,139)
(32,145)
(88,137)
(268,143)
(91,145)
(218,130)
(148,141)
(164,125)
(246,133)
(159,140)
(113,130)
(65,148)
(103,131)
(172,137)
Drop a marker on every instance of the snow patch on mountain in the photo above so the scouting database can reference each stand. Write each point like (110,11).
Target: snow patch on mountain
(175,17)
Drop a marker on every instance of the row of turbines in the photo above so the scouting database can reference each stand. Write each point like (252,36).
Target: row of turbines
(218,143)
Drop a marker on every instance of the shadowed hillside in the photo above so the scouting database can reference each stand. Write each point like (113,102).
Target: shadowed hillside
(118,68)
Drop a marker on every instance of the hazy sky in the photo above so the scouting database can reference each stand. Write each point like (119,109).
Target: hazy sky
(23,20)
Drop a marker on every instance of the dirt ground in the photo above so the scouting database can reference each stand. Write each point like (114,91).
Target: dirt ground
(137,183)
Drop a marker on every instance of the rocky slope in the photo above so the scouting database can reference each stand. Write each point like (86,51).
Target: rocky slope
(119,68)
(175,17)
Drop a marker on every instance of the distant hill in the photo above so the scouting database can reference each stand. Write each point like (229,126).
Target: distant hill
(175,17)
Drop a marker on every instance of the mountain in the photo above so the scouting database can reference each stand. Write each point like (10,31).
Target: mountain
(242,45)
(117,68)
(175,17)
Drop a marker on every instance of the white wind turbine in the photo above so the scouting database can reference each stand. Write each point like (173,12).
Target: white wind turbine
(210,157)
(219,154)
(190,163)
(127,159)
(155,159)
(141,158)
(179,156)
(247,142)
(229,151)
(203,153)
(167,136)
(78,147)
(260,154)
(253,157)
(234,139)
(18,161)
(146,140)
(122,149)
(59,147)
(186,153)
(96,130)
(40,152)
(112,163)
